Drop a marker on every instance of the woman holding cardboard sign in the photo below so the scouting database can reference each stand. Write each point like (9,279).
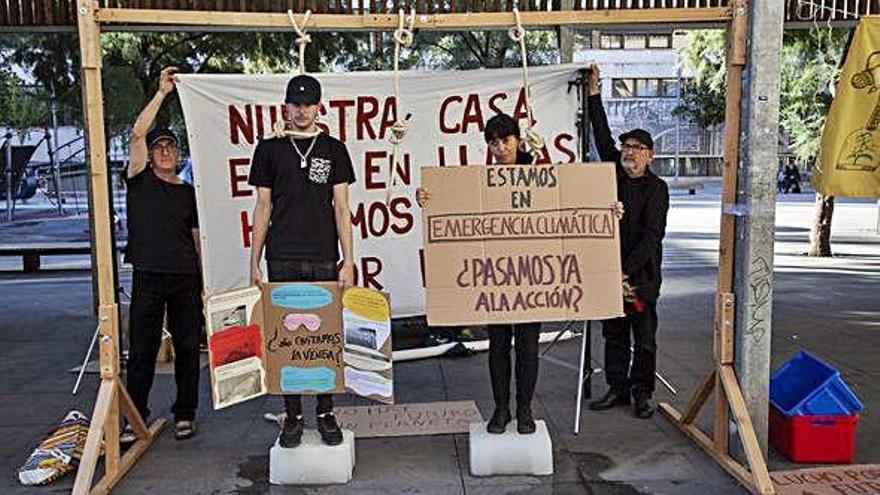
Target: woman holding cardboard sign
(503,137)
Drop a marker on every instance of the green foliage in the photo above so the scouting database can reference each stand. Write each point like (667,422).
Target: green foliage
(20,108)
(703,98)
(810,61)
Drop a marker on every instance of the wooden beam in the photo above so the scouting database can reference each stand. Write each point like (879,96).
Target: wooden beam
(131,456)
(724,327)
(699,398)
(746,432)
(92,451)
(479,20)
(131,413)
(736,59)
(726,462)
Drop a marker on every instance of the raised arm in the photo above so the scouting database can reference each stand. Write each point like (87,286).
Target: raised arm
(139,152)
(608,152)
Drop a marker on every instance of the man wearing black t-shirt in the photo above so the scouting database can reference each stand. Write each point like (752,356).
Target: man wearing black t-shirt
(163,248)
(301,218)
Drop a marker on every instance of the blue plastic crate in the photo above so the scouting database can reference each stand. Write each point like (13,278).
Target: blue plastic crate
(806,385)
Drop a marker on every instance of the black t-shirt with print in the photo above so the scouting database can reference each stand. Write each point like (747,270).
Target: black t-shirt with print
(160,219)
(303,223)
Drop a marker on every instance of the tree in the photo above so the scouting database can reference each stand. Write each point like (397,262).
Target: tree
(703,98)
(20,107)
(811,60)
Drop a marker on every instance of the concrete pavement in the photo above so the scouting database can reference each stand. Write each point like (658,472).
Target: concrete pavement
(828,306)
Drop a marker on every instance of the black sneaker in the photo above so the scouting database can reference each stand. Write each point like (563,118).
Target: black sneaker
(525,425)
(612,398)
(292,432)
(498,424)
(329,429)
(643,408)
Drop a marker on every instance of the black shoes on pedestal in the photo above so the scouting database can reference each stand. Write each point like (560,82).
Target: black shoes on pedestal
(525,424)
(291,433)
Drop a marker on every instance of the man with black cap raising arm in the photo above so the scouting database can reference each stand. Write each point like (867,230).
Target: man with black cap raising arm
(645,200)
(301,216)
(163,246)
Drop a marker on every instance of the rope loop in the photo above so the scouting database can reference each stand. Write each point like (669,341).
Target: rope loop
(303,38)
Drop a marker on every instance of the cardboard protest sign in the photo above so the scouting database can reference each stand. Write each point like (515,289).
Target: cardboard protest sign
(303,332)
(831,480)
(511,244)
(288,339)
(428,418)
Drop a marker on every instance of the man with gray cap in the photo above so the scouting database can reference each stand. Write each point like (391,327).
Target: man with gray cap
(303,219)
(645,200)
(163,233)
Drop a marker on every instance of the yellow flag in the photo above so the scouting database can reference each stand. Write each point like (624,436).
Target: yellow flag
(849,159)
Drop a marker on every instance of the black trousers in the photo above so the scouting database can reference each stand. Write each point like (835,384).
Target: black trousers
(526,344)
(638,378)
(153,295)
(303,271)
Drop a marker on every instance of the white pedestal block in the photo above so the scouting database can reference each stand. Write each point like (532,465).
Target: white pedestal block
(312,462)
(510,453)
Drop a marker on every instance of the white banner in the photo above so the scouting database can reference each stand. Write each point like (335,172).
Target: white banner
(227,114)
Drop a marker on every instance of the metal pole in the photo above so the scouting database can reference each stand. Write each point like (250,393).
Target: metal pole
(677,122)
(53,158)
(8,144)
(580,393)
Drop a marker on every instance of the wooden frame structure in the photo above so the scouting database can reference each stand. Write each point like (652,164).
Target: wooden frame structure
(112,397)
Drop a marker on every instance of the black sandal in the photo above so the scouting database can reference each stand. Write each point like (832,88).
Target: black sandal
(184,429)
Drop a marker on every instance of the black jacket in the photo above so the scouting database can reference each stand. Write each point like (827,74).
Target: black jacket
(646,203)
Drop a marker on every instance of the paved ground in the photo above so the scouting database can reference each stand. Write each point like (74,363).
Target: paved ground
(829,306)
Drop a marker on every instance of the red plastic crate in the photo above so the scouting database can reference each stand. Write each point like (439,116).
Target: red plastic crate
(814,439)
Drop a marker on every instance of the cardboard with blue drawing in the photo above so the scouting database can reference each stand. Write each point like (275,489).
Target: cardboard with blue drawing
(303,338)
(315,339)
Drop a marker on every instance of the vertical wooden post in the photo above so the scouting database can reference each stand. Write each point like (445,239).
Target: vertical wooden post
(736,60)
(104,427)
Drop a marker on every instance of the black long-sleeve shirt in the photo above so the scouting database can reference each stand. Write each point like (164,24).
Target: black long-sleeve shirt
(645,202)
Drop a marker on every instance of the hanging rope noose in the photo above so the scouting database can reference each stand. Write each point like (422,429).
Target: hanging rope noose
(534,141)
(403,37)
(302,39)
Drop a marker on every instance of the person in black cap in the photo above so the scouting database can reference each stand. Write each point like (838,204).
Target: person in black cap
(502,135)
(302,217)
(645,199)
(163,247)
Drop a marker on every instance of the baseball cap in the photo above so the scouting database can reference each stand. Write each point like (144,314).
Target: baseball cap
(160,133)
(303,89)
(639,135)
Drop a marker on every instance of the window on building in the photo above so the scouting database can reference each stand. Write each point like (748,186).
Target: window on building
(611,42)
(634,42)
(623,88)
(659,41)
(669,87)
(649,88)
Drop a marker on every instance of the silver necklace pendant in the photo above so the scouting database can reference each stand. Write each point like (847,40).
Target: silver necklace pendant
(304,157)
